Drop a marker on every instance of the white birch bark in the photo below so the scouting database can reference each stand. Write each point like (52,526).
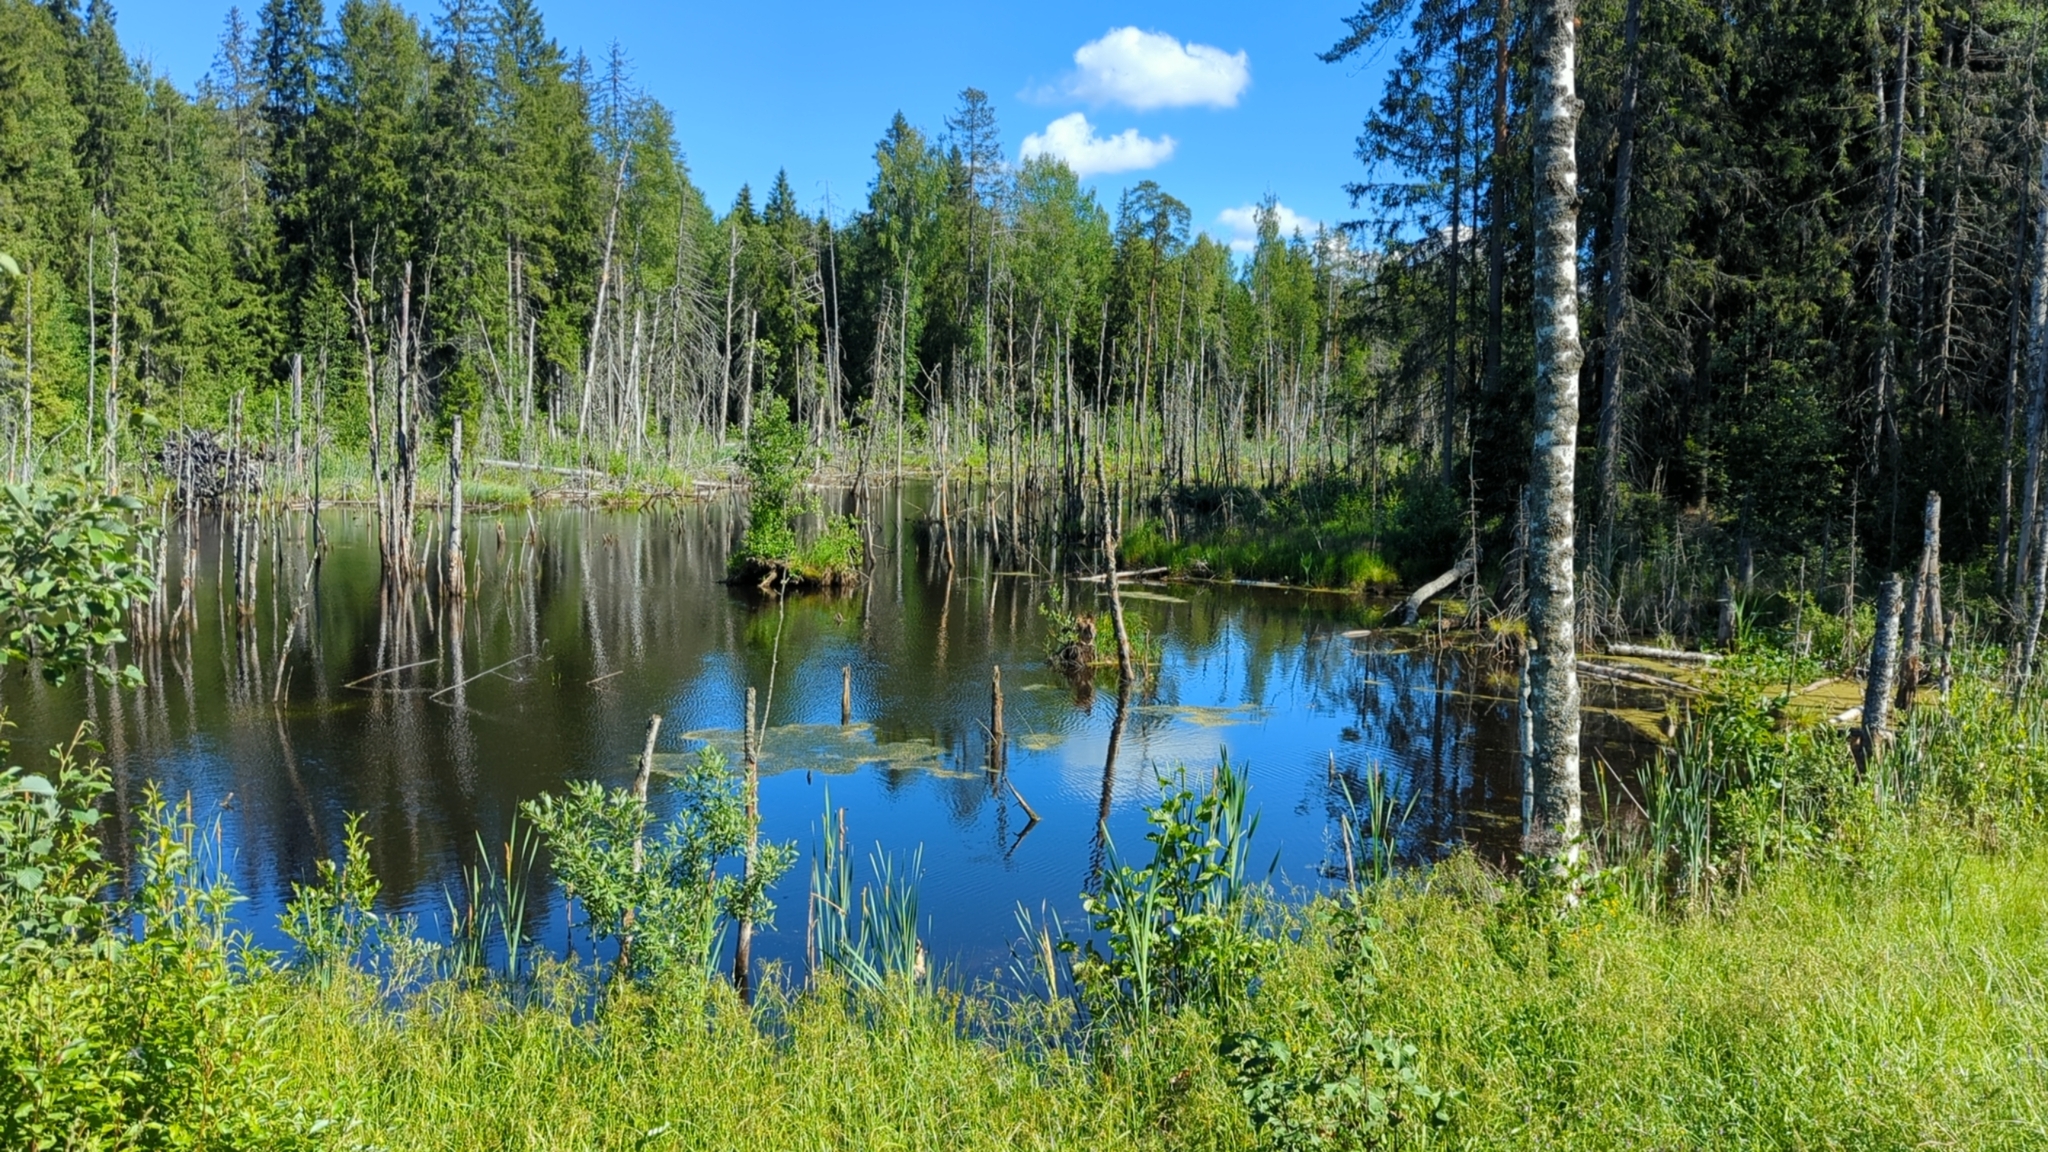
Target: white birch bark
(1553,670)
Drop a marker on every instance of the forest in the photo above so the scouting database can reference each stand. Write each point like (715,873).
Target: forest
(1808,239)
(1604,575)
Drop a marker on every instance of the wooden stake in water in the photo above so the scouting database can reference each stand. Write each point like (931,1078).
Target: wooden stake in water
(845,695)
(454,585)
(998,745)
(743,950)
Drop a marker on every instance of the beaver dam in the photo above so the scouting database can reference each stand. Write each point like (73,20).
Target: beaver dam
(435,719)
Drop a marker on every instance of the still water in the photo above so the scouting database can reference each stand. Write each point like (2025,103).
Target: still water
(581,624)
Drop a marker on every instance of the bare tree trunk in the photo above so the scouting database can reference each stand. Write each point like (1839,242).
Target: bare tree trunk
(298,415)
(455,585)
(743,947)
(1553,657)
(604,280)
(2030,561)
(1922,623)
(28,379)
(113,362)
(1126,665)
(1877,692)
(1613,344)
(1885,421)
(732,257)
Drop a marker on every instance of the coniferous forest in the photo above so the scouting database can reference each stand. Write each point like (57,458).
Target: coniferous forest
(1808,235)
(1604,574)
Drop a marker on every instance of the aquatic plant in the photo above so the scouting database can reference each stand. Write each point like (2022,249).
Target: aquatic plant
(867,937)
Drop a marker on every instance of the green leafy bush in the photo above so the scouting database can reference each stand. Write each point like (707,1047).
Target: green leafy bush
(333,919)
(659,891)
(50,865)
(1178,929)
(71,563)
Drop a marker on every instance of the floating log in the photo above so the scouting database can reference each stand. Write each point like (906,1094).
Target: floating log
(1676,655)
(1411,608)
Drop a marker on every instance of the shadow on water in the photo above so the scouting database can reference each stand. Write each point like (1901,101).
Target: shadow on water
(436,717)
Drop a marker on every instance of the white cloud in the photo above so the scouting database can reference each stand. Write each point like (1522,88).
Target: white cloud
(1146,70)
(1073,139)
(1243,222)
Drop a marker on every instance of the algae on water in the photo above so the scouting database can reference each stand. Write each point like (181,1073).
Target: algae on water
(830,748)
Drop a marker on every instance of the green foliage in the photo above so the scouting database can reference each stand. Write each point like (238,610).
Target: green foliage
(659,889)
(777,461)
(1178,930)
(333,919)
(1321,533)
(51,871)
(1350,1093)
(149,1044)
(71,564)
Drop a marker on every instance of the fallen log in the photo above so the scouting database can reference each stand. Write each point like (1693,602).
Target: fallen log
(1632,676)
(1411,608)
(542,468)
(1676,655)
(1135,574)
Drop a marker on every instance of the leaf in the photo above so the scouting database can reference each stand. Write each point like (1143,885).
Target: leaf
(7,262)
(28,878)
(35,785)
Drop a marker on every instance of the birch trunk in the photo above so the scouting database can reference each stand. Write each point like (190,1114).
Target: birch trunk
(1553,670)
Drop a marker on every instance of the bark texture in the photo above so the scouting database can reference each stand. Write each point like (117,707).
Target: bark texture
(1553,670)
(1878,687)
(2033,575)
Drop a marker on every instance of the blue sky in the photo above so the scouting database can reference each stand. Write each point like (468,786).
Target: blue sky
(1220,103)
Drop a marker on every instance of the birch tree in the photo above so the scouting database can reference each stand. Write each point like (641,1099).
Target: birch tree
(1553,669)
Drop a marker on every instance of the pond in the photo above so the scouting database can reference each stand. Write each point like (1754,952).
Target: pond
(583,623)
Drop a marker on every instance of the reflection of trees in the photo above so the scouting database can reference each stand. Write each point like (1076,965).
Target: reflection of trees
(638,599)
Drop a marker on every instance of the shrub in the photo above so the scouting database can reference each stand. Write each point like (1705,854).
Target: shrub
(659,891)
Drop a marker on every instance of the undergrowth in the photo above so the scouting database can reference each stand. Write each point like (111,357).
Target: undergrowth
(1768,951)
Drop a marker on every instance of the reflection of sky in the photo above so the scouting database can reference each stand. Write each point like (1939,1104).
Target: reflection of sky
(622,615)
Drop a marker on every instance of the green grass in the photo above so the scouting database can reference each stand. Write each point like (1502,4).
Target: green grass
(1304,557)
(1323,532)
(1872,974)
(1897,999)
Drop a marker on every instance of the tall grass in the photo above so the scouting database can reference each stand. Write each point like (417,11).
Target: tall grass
(1792,957)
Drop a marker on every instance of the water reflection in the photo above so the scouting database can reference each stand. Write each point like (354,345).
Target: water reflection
(435,717)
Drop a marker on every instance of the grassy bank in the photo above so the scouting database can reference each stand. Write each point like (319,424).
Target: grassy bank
(1333,532)
(1833,962)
